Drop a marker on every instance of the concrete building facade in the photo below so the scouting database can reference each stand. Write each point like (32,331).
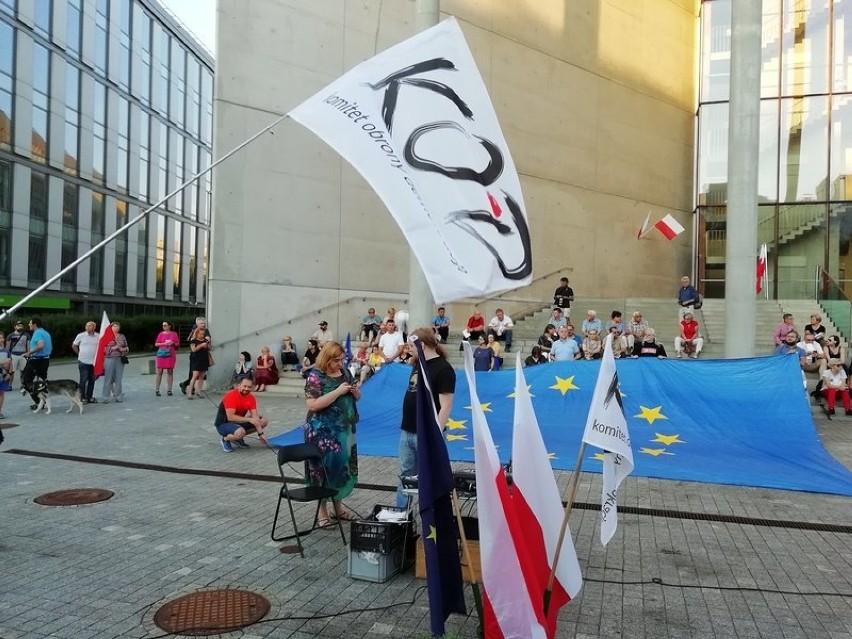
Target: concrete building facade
(596,100)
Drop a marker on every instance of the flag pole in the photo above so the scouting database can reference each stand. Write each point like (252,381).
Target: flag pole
(569,506)
(109,238)
(477,596)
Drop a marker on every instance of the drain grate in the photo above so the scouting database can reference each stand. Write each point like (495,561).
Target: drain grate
(74,497)
(211,612)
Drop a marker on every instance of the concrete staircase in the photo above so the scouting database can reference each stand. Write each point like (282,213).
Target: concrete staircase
(661,314)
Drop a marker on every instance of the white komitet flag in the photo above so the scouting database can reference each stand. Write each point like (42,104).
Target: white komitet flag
(416,121)
(606,428)
(538,505)
(508,609)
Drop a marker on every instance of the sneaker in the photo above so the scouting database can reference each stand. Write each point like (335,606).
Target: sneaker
(226,446)
(242,444)
(169,393)
(679,355)
(157,393)
(694,356)
(118,400)
(183,386)
(92,400)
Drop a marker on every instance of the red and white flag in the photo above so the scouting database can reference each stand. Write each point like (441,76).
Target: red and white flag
(644,229)
(508,607)
(539,509)
(761,267)
(669,227)
(606,428)
(107,335)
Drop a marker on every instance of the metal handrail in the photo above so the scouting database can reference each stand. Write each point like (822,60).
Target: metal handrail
(360,298)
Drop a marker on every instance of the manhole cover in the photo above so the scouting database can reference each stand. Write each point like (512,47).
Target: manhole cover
(211,612)
(74,497)
(2,426)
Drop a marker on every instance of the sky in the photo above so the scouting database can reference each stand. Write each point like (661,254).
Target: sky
(199,16)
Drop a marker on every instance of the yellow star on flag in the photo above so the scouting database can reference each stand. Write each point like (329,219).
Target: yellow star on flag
(668,440)
(485,406)
(650,413)
(563,385)
(455,438)
(656,452)
(551,455)
(433,534)
(597,457)
(455,424)
(513,394)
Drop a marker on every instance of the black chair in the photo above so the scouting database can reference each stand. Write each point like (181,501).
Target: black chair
(293,454)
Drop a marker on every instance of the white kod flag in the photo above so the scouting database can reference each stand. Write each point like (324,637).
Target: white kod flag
(606,428)
(417,123)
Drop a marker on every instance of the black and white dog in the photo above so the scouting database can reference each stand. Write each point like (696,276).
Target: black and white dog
(42,389)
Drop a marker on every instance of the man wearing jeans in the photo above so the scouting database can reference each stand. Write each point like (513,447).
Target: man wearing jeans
(443,380)
(38,354)
(86,346)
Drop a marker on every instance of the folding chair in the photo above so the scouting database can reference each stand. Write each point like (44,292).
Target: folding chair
(301,453)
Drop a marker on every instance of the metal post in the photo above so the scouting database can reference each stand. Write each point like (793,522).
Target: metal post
(109,238)
(420,302)
(743,147)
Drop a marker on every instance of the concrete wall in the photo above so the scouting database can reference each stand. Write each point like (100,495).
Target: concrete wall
(596,100)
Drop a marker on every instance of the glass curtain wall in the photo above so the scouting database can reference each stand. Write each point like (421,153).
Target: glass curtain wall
(805,143)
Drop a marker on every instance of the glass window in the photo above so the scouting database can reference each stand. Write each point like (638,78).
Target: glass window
(70,199)
(96,261)
(716,50)
(178,260)
(178,86)
(161,256)
(767,182)
(840,240)
(41,87)
(101,36)
(141,256)
(803,151)
(122,151)
(7,60)
(770,45)
(43,10)
(144,153)
(73,27)
(8,6)
(99,130)
(842,55)
(713,154)
(72,118)
(800,248)
(6,176)
(38,229)
(192,239)
(120,249)
(804,52)
(142,55)
(840,175)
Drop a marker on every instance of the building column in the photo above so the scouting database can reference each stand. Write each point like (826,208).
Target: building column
(743,156)
(420,302)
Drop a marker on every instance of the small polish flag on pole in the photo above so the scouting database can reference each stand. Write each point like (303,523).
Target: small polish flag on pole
(106,336)
(644,229)
(669,227)
(761,267)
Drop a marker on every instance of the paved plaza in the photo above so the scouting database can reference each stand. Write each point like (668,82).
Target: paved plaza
(103,570)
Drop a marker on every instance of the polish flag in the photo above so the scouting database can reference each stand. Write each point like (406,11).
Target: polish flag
(539,509)
(761,267)
(669,227)
(644,229)
(512,606)
(106,337)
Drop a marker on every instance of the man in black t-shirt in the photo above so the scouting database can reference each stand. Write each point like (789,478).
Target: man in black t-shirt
(442,378)
(563,296)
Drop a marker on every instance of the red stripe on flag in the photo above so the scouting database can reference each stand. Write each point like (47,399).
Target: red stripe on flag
(665,230)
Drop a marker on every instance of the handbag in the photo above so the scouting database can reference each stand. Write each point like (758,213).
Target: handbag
(124,359)
(210,360)
(164,352)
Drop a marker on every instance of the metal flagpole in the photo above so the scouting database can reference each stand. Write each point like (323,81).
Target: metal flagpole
(138,218)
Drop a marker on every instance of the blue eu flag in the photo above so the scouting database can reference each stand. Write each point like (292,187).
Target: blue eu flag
(439,530)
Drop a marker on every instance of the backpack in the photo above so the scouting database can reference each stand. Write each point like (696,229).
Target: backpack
(699,302)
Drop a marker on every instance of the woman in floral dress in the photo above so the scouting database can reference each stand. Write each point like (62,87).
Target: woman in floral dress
(330,395)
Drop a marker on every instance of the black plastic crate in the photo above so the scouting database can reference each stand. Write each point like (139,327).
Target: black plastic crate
(378,536)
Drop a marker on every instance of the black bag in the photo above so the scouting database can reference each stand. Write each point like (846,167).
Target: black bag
(124,359)
(699,302)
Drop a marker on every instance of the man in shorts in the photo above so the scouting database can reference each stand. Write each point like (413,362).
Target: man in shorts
(238,416)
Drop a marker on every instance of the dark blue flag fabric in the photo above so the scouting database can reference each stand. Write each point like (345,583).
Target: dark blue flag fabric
(744,422)
(347,350)
(439,531)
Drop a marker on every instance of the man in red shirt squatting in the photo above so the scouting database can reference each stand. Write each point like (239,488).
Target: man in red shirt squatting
(237,416)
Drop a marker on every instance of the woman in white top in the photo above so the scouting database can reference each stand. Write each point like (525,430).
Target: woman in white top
(834,382)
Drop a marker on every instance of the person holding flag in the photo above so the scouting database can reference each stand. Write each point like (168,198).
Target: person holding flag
(443,387)
(435,482)
(606,428)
